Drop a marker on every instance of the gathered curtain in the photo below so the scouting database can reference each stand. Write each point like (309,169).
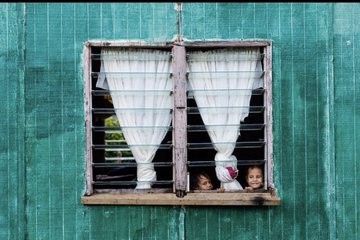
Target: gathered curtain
(222,83)
(140,87)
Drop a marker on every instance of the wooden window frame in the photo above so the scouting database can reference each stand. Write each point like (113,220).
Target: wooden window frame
(180,196)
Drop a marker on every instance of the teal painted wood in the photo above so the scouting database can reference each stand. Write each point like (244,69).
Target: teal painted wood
(12,167)
(315,107)
(347,125)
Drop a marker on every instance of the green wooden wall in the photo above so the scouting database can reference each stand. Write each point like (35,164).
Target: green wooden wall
(315,108)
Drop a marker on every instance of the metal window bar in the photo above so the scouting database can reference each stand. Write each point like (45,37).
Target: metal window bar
(120,146)
(252,109)
(258,91)
(130,92)
(119,128)
(204,163)
(243,127)
(246,145)
(259,56)
(135,57)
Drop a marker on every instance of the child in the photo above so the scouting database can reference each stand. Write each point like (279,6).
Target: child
(201,181)
(254,178)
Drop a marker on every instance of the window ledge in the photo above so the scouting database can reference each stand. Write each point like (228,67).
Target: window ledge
(225,198)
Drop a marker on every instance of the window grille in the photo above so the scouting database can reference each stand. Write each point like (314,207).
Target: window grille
(187,145)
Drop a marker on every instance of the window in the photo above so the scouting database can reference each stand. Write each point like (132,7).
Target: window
(158,114)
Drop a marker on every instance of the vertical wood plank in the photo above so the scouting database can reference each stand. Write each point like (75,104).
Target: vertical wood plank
(88,122)
(179,119)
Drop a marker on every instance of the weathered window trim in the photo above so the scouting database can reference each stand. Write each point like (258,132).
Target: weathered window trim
(201,198)
(267,197)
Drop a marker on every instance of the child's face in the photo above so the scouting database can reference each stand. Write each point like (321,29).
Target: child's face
(204,183)
(254,178)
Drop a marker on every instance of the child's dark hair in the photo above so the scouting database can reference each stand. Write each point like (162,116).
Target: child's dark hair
(252,167)
(194,178)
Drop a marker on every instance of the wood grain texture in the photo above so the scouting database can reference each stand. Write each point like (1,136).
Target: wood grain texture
(218,199)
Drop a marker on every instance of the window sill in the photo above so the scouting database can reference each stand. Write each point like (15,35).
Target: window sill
(198,198)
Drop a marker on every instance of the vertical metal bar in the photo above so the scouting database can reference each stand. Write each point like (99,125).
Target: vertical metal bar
(179,120)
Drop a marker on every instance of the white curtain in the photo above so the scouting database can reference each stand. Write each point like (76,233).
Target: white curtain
(222,82)
(140,86)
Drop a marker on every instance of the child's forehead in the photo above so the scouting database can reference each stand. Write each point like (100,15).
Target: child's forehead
(201,176)
(255,169)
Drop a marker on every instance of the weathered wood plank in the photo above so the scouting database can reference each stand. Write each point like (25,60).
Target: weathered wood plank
(88,121)
(179,120)
(205,198)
